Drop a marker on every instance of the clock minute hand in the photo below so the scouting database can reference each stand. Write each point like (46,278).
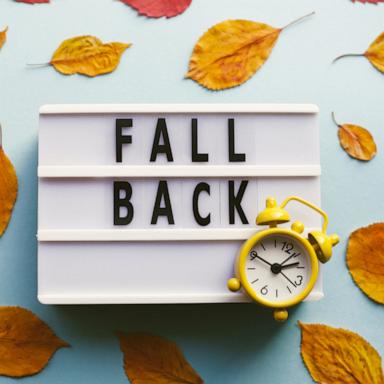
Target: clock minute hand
(289,265)
(265,261)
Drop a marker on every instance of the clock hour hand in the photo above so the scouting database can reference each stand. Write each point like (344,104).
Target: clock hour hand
(288,258)
(289,265)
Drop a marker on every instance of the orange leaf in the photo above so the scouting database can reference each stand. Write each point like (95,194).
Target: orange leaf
(375,53)
(334,355)
(155,360)
(365,260)
(88,56)
(8,189)
(3,36)
(230,52)
(26,342)
(356,141)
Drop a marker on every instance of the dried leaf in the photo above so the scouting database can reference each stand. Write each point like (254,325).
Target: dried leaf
(365,260)
(334,355)
(356,141)
(88,56)
(369,1)
(33,1)
(159,8)
(26,342)
(375,53)
(3,37)
(151,359)
(230,52)
(8,189)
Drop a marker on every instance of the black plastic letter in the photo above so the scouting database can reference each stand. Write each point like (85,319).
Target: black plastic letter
(203,221)
(233,156)
(162,193)
(196,156)
(235,201)
(119,202)
(161,130)
(120,138)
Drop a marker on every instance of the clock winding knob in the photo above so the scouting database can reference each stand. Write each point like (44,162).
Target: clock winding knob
(280,315)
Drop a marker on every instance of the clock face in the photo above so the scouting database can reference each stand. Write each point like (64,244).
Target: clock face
(278,268)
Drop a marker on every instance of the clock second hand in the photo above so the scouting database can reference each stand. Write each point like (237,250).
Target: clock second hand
(288,278)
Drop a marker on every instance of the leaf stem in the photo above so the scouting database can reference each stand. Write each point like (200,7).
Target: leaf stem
(334,119)
(298,20)
(38,65)
(347,55)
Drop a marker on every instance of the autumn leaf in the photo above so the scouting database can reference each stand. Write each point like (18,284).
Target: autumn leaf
(230,52)
(152,359)
(375,53)
(356,141)
(334,355)
(26,342)
(8,188)
(33,1)
(368,1)
(365,260)
(87,55)
(159,8)
(3,37)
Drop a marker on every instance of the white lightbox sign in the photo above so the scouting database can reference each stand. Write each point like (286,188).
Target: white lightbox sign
(151,203)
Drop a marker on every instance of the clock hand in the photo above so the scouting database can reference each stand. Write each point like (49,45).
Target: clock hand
(289,265)
(288,279)
(265,261)
(288,258)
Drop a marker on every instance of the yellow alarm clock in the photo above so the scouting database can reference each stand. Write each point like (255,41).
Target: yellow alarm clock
(278,267)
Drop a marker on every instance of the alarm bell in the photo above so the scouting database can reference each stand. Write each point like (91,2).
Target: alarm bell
(272,214)
(275,214)
(322,244)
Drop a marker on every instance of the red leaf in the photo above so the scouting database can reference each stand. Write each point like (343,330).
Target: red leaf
(159,8)
(33,1)
(369,1)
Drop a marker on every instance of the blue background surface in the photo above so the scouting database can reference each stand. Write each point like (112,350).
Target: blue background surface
(226,343)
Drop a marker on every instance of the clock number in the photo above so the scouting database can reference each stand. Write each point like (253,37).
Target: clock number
(253,255)
(264,290)
(299,280)
(287,247)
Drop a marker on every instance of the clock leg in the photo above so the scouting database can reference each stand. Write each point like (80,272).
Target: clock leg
(234,284)
(280,314)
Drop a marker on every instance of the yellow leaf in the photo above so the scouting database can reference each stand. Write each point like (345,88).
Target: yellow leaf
(230,52)
(8,189)
(151,359)
(334,355)
(375,53)
(365,260)
(3,36)
(356,141)
(88,56)
(26,342)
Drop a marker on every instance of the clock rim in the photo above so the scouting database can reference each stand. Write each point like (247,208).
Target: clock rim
(241,267)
